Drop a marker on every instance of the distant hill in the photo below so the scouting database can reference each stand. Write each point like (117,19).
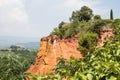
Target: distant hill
(29,45)
(27,42)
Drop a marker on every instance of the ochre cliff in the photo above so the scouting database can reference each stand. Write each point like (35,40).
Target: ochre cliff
(51,48)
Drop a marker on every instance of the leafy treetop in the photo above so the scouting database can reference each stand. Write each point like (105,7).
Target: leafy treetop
(84,14)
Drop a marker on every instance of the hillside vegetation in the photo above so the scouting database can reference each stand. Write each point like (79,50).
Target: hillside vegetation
(86,27)
(97,63)
(14,61)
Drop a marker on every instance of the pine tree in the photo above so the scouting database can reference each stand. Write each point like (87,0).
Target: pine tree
(111,14)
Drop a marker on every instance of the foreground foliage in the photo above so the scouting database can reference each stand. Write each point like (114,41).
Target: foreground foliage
(14,62)
(102,64)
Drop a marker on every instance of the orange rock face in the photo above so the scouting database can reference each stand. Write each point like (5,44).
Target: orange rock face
(104,35)
(51,48)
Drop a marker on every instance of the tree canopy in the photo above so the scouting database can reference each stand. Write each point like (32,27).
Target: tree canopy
(84,14)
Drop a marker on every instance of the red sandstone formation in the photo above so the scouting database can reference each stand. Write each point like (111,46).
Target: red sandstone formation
(51,48)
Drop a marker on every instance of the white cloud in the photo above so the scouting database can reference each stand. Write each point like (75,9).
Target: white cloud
(71,5)
(78,3)
(24,30)
(12,11)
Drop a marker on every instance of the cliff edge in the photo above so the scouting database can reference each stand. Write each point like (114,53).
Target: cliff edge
(51,48)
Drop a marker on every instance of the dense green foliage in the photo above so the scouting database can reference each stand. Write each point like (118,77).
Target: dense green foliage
(84,14)
(73,29)
(87,43)
(97,17)
(14,61)
(11,67)
(116,26)
(77,28)
(99,25)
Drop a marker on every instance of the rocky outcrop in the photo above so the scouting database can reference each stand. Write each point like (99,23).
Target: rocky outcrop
(105,34)
(51,48)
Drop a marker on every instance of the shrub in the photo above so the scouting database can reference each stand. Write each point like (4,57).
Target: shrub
(87,42)
(100,24)
(116,26)
(97,17)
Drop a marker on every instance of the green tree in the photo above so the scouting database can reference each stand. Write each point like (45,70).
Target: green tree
(61,24)
(84,14)
(97,17)
(111,14)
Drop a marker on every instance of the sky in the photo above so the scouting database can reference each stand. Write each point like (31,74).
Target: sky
(37,18)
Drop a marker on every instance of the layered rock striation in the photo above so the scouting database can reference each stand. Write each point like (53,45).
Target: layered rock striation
(51,48)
